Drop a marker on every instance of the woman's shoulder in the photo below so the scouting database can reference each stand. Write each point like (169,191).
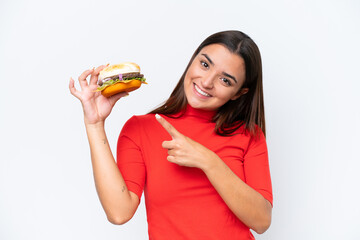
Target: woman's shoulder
(242,131)
(143,120)
(145,117)
(138,123)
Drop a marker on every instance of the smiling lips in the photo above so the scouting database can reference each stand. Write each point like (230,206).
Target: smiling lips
(201,92)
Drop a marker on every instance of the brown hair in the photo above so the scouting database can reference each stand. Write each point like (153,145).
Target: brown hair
(248,109)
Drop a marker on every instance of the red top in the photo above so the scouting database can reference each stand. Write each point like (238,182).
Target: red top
(180,201)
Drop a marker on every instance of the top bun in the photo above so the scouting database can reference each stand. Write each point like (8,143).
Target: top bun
(116,69)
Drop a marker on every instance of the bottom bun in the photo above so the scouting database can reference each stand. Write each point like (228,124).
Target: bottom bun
(121,87)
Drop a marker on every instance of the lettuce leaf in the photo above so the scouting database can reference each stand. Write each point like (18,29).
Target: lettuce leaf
(113,81)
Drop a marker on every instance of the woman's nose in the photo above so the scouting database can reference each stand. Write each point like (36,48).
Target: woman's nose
(208,81)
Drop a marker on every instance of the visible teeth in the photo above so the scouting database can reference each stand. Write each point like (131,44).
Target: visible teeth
(201,92)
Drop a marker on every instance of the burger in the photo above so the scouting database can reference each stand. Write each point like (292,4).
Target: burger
(122,77)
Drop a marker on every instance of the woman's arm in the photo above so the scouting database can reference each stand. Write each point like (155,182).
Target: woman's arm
(245,202)
(119,203)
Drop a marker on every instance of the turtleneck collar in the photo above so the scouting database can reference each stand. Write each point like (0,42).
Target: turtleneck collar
(199,113)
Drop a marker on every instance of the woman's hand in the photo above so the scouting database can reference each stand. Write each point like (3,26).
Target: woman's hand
(184,151)
(96,107)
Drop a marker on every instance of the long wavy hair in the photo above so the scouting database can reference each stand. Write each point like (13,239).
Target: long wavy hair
(246,111)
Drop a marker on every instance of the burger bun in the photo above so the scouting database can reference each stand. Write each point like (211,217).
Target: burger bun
(116,69)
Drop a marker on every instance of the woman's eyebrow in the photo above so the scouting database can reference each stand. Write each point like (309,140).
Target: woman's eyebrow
(230,76)
(207,57)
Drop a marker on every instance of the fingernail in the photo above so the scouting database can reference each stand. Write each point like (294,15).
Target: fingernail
(157,116)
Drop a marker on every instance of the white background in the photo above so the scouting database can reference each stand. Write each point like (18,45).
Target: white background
(310,52)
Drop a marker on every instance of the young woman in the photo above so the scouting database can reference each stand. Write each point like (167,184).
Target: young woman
(200,158)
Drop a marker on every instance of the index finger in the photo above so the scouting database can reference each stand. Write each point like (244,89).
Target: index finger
(95,74)
(168,127)
(82,78)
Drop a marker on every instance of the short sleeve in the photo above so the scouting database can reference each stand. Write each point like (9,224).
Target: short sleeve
(256,167)
(129,157)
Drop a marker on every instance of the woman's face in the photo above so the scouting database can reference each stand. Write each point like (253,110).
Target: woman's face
(214,77)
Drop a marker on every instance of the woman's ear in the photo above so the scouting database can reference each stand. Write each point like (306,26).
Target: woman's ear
(241,92)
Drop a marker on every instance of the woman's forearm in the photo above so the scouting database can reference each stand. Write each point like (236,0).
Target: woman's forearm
(119,203)
(246,203)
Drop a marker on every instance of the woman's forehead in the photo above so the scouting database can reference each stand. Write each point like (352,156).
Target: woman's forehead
(219,51)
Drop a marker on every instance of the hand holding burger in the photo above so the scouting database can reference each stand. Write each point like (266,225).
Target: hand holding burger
(97,107)
(122,77)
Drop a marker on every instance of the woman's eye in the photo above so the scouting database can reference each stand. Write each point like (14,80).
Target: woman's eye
(204,64)
(226,81)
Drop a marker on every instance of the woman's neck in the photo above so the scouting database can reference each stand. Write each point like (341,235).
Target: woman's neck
(199,113)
